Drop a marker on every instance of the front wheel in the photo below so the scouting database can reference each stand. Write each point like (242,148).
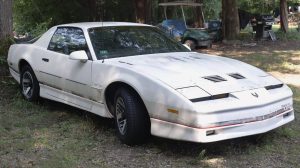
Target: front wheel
(131,117)
(29,85)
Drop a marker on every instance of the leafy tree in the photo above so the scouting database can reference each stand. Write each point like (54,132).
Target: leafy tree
(212,9)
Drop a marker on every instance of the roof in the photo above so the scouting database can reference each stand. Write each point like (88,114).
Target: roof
(180,3)
(87,25)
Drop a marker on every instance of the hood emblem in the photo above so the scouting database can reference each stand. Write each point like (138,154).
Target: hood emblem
(255,94)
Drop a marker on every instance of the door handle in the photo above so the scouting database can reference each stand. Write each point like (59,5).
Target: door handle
(45,59)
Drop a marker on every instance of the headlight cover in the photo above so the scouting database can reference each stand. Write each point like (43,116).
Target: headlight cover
(196,94)
(193,92)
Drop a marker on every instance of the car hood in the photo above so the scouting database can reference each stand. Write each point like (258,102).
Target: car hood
(186,69)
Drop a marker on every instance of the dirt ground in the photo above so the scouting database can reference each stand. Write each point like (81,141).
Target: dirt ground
(50,134)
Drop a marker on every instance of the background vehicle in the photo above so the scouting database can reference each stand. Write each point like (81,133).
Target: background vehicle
(181,31)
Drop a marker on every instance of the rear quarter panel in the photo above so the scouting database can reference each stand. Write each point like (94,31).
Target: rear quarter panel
(28,52)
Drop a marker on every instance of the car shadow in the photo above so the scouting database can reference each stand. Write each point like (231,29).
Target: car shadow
(232,146)
(162,145)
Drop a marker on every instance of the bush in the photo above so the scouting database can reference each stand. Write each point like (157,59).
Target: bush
(4,46)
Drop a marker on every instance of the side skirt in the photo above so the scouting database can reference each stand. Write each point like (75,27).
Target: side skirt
(73,100)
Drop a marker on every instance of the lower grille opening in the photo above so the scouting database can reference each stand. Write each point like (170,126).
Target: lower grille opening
(286,114)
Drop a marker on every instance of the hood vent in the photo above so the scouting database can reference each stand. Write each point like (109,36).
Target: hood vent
(274,87)
(236,76)
(215,78)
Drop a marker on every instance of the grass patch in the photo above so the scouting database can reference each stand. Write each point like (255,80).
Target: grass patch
(292,34)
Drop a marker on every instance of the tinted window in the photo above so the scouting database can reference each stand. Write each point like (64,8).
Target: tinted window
(67,40)
(111,42)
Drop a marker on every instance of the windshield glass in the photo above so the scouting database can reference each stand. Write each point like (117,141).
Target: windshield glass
(112,42)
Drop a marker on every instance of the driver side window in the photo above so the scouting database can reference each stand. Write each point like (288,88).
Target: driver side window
(67,40)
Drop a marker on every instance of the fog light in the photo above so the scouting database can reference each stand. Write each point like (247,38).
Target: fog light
(210,132)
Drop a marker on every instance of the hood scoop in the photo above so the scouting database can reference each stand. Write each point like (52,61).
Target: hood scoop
(215,78)
(236,76)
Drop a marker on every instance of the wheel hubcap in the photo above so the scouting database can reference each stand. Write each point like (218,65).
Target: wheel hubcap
(120,115)
(27,85)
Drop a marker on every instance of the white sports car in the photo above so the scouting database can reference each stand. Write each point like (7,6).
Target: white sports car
(149,83)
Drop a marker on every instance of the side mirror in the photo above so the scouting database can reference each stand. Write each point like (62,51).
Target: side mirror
(188,47)
(79,55)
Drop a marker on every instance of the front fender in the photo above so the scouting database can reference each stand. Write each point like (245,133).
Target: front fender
(161,100)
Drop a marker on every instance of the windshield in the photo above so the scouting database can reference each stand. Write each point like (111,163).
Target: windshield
(112,42)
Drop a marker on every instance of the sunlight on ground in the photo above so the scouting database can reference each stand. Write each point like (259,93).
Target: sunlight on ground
(215,162)
(41,139)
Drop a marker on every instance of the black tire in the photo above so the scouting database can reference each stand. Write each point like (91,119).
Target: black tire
(191,44)
(129,109)
(30,88)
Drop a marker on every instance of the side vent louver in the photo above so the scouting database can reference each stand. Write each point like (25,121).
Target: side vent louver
(215,78)
(236,76)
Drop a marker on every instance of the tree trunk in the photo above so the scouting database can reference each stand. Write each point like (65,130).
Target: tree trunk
(140,11)
(200,20)
(92,5)
(143,11)
(284,16)
(148,12)
(6,20)
(230,20)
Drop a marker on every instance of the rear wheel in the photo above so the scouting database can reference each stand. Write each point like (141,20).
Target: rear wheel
(131,117)
(29,85)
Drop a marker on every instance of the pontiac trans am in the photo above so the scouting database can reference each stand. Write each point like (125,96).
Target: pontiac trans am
(149,83)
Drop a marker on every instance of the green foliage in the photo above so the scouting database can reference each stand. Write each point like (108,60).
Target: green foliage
(258,6)
(212,9)
(263,6)
(36,16)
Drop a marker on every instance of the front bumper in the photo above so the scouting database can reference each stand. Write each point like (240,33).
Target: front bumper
(218,120)
(187,133)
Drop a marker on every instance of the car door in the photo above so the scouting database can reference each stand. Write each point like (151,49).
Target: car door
(60,72)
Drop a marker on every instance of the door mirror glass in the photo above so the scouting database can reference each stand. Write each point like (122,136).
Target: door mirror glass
(79,55)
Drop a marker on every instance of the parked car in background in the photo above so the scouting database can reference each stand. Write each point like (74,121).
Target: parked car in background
(191,35)
(149,83)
